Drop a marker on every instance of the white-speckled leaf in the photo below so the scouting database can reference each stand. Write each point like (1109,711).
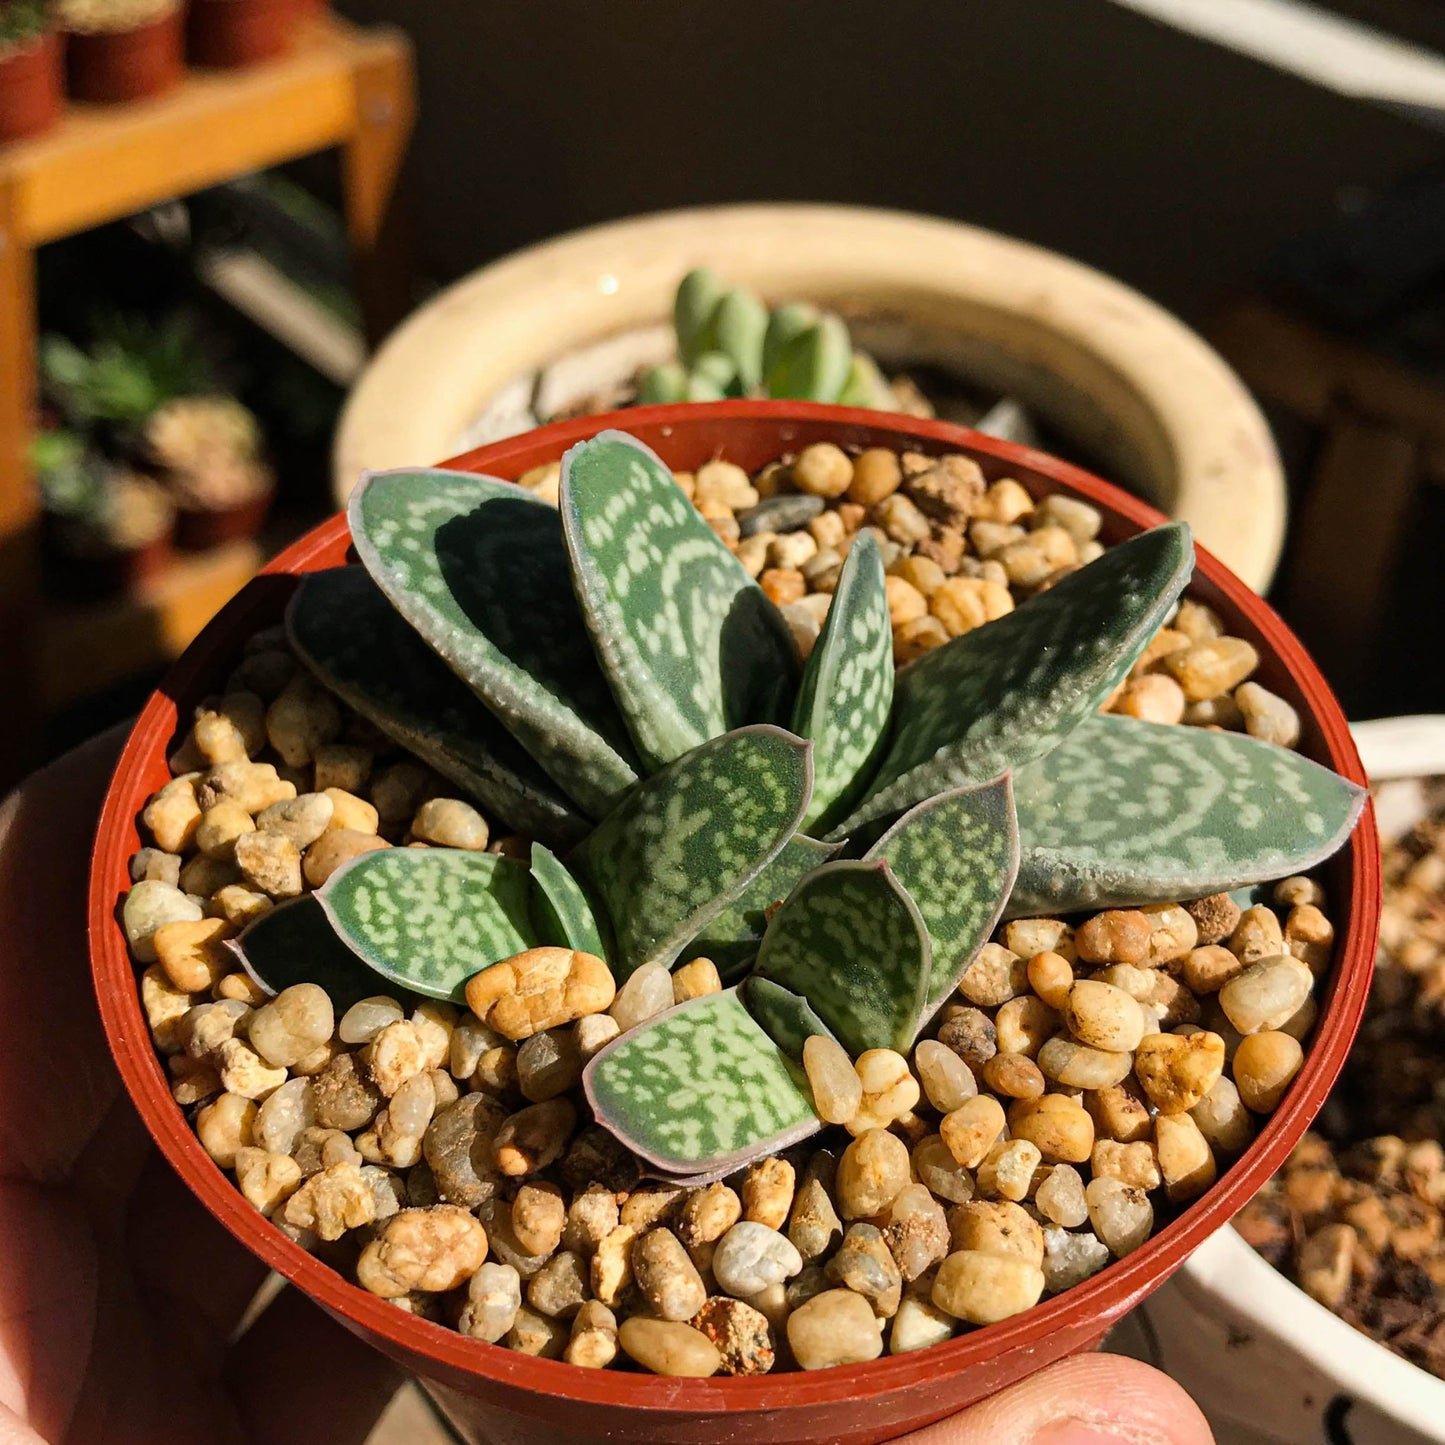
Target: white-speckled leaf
(957,855)
(684,843)
(564,916)
(1126,812)
(731,939)
(700,1090)
(851,941)
(847,687)
(786,1017)
(344,629)
(1006,693)
(479,568)
(691,646)
(295,943)
(429,918)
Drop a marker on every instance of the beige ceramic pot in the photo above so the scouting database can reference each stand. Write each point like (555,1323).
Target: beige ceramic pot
(1122,382)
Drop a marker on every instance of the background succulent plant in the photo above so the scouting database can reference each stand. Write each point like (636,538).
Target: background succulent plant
(606,677)
(729,344)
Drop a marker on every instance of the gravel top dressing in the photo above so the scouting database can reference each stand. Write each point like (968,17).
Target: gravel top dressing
(580,936)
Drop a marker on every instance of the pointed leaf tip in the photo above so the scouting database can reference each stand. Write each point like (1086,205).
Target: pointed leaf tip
(691,646)
(1006,693)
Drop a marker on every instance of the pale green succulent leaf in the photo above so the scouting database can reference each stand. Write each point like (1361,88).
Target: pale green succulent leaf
(295,943)
(1000,696)
(790,319)
(731,939)
(814,364)
(700,1091)
(564,917)
(697,297)
(786,1017)
(866,385)
(479,569)
(662,383)
(1126,812)
(847,689)
(686,842)
(344,629)
(957,855)
(429,918)
(736,328)
(851,941)
(689,643)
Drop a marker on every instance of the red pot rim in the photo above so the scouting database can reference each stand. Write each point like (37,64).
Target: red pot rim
(1104,1297)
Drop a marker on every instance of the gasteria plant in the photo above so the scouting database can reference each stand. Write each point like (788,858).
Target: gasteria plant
(608,679)
(729,344)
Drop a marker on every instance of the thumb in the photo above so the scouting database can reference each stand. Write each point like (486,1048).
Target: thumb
(1087,1400)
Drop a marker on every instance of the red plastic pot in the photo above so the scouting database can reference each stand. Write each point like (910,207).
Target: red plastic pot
(111,67)
(198,530)
(32,89)
(229,34)
(505,1398)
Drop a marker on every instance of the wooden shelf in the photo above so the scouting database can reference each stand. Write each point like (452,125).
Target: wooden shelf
(340,86)
(85,647)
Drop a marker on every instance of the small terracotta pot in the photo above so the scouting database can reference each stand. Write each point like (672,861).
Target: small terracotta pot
(32,89)
(110,67)
(198,530)
(229,34)
(507,1398)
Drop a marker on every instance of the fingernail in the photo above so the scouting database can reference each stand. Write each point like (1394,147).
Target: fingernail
(1074,1432)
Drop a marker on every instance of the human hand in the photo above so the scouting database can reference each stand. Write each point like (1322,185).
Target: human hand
(120,1297)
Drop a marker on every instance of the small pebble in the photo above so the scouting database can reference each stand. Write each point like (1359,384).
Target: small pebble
(750,1257)
(837,1327)
(668,1347)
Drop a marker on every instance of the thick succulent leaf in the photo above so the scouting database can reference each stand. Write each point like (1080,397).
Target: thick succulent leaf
(564,916)
(786,1017)
(851,941)
(847,688)
(690,645)
(479,569)
(429,918)
(684,844)
(344,629)
(1126,812)
(957,855)
(700,1090)
(295,943)
(731,940)
(698,294)
(1004,694)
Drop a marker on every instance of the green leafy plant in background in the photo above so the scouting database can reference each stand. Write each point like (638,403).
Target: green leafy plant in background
(21,22)
(730,344)
(608,679)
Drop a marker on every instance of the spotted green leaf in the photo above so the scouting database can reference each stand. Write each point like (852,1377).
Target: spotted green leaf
(479,569)
(1004,694)
(786,1017)
(957,855)
(847,686)
(689,643)
(564,916)
(700,1090)
(1126,812)
(344,629)
(851,941)
(429,918)
(731,939)
(683,844)
(295,943)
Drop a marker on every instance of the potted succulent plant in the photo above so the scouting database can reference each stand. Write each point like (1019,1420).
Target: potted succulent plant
(232,33)
(834,843)
(121,50)
(107,529)
(31,93)
(208,449)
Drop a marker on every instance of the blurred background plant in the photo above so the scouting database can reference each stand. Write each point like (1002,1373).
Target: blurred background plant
(22,22)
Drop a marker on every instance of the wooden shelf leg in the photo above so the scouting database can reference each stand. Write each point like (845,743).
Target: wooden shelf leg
(19,504)
(380,231)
